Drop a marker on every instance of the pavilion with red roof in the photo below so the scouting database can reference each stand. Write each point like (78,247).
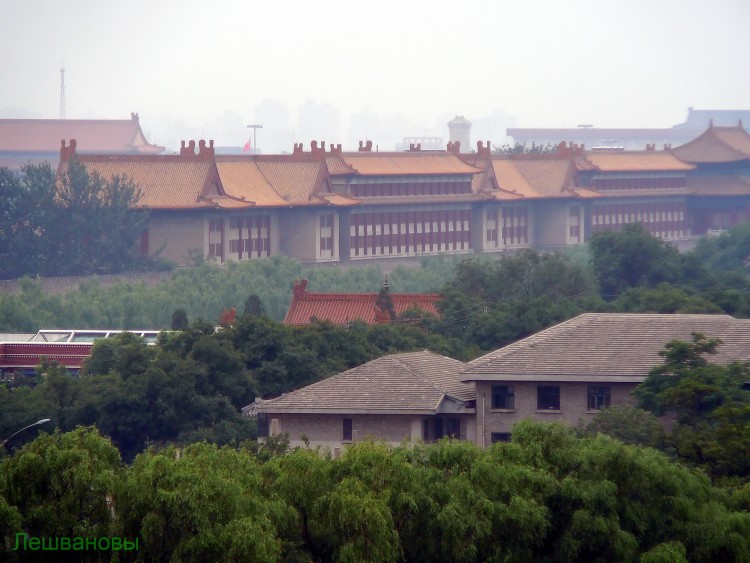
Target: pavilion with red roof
(342,308)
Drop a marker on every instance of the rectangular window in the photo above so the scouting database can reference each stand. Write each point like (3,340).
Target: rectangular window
(347,430)
(326,235)
(548,397)
(263,428)
(500,437)
(599,397)
(453,427)
(437,428)
(503,397)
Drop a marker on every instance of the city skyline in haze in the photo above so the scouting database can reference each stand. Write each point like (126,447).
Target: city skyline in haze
(340,73)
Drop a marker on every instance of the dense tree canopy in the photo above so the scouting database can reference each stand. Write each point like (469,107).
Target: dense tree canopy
(710,405)
(547,496)
(633,258)
(552,494)
(72,223)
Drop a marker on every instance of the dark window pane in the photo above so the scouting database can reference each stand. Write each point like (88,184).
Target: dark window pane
(503,397)
(599,397)
(500,437)
(548,397)
(453,427)
(262,426)
(347,429)
(438,427)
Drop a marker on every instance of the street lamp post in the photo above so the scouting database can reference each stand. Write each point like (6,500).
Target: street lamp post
(38,422)
(255,128)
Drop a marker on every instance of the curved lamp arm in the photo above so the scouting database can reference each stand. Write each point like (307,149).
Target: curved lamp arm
(38,422)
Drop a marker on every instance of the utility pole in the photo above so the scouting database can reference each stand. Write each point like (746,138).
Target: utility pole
(255,128)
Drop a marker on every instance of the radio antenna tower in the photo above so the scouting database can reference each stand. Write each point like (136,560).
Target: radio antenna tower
(62,92)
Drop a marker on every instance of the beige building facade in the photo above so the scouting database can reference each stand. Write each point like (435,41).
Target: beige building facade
(567,374)
(326,205)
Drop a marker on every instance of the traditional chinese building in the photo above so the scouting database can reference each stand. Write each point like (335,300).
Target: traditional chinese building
(24,141)
(343,308)
(326,205)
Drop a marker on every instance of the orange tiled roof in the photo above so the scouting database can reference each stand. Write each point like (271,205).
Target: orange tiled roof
(243,180)
(637,161)
(716,144)
(535,177)
(407,163)
(341,308)
(341,200)
(510,179)
(123,136)
(295,182)
(337,166)
(587,193)
(166,181)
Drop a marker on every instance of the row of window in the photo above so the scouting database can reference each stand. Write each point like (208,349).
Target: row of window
(411,189)
(616,215)
(649,183)
(409,232)
(548,397)
(432,429)
(512,223)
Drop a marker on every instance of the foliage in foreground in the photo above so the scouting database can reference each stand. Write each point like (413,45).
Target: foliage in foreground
(548,495)
(193,384)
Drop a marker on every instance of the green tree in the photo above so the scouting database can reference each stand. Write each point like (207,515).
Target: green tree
(254,306)
(72,223)
(180,320)
(61,484)
(709,403)
(632,258)
(27,204)
(728,251)
(628,424)
(200,503)
(519,148)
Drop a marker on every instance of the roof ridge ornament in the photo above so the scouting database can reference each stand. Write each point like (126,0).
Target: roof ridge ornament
(483,151)
(67,152)
(204,152)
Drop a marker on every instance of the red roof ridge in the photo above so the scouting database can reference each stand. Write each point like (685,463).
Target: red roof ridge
(349,306)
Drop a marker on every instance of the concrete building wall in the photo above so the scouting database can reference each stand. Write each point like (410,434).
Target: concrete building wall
(550,224)
(298,231)
(573,405)
(327,431)
(179,234)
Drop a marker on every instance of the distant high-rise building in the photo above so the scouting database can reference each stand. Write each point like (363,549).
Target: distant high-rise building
(598,138)
(459,129)
(277,136)
(318,121)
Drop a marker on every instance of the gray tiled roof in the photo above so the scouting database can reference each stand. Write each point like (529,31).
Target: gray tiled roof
(607,346)
(407,382)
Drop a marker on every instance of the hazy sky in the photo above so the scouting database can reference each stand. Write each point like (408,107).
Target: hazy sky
(200,69)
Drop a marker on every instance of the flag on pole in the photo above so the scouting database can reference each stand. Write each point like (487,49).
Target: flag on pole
(247,146)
